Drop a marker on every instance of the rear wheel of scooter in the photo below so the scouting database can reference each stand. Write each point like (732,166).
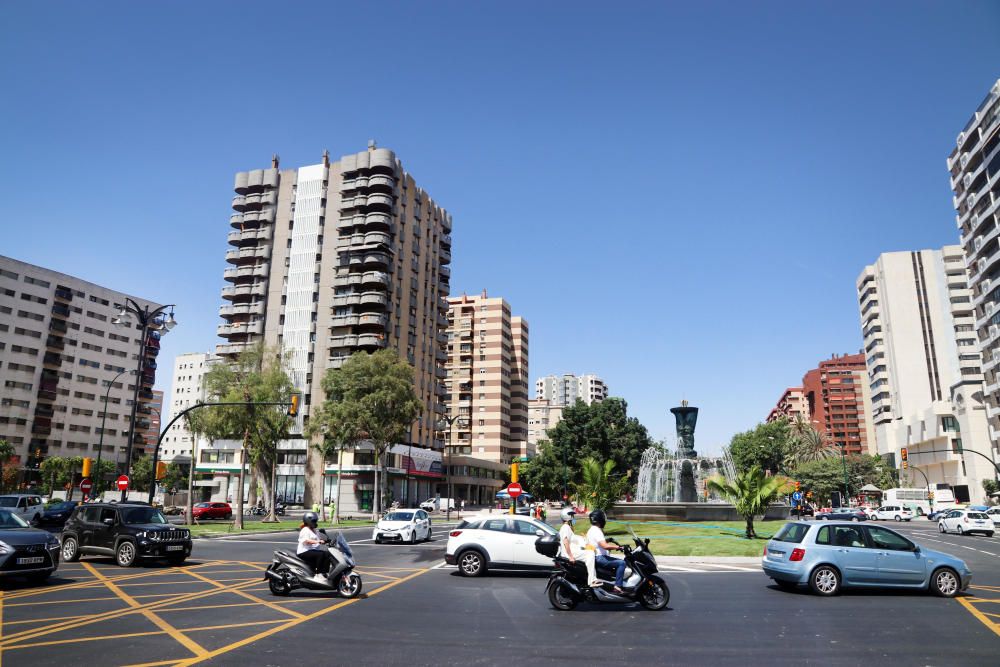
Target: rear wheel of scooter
(560,599)
(279,587)
(654,595)
(349,586)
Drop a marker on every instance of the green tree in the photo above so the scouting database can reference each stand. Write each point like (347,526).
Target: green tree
(751,492)
(256,376)
(54,471)
(599,488)
(142,471)
(990,486)
(602,430)
(807,444)
(339,426)
(370,398)
(824,476)
(766,446)
(176,476)
(6,454)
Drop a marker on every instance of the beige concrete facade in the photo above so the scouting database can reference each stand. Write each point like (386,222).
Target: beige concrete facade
(60,355)
(334,258)
(487,378)
(566,389)
(186,389)
(542,415)
(791,406)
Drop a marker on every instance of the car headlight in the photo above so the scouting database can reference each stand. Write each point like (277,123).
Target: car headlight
(5,549)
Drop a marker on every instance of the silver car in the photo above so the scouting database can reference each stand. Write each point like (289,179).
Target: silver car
(831,555)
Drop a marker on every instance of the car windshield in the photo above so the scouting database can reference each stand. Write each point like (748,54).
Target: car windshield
(978,515)
(399,516)
(792,532)
(143,515)
(11,520)
(8,501)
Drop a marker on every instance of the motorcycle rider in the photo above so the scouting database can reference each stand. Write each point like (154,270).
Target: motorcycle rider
(596,539)
(572,546)
(310,547)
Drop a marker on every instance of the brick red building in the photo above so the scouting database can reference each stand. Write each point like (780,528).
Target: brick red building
(837,397)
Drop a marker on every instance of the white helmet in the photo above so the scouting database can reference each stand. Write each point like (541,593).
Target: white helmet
(568,514)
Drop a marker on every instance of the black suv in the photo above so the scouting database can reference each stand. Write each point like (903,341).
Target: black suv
(127,531)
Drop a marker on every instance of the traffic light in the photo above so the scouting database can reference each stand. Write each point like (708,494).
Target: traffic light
(87,463)
(161,469)
(903,458)
(930,495)
(798,485)
(809,494)
(293,407)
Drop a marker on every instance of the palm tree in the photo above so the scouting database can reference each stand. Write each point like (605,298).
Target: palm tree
(808,444)
(6,454)
(598,490)
(751,492)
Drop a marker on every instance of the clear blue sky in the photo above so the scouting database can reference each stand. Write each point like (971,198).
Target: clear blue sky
(678,197)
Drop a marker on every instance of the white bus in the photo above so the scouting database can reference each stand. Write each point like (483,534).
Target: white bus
(916,499)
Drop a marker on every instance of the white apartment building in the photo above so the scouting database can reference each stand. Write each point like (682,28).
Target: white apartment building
(974,168)
(186,389)
(542,415)
(566,389)
(924,369)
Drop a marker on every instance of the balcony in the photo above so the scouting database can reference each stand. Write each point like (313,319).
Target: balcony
(375,279)
(445,271)
(342,300)
(231,348)
(344,320)
(376,260)
(379,202)
(44,411)
(442,321)
(373,319)
(52,359)
(440,373)
(378,221)
(446,240)
(64,294)
(371,340)
(347,340)
(373,299)
(442,305)
(378,238)
(58,326)
(236,220)
(336,362)
(240,328)
(382,182)
(256,308)
(444,256)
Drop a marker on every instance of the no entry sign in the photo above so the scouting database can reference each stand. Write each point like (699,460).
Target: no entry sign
(122,483)
(514,490)
(86,486)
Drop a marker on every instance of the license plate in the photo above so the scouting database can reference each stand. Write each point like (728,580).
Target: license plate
(175,547)
(31,561)
(775,554)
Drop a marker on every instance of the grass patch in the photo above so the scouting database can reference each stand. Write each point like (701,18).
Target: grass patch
(249,528)
(716,538)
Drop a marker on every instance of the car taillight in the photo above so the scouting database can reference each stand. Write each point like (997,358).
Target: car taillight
(797,554)
(765,552)
(454,533)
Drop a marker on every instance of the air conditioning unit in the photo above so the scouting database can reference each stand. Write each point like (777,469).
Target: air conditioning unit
(993,332)
(978,242)
(965,160)
(961,139)
(980,265)
(970,201)
(966,180)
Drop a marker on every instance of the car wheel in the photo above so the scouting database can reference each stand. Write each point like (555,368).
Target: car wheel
(961,531)
(472,564)
(125,554)
(229,515)
(825,581)
(413,536)
(898,518)
(70,549)
(857,518)
(378,539)
(941,528)
(989,534)
(428,535)
(945,583)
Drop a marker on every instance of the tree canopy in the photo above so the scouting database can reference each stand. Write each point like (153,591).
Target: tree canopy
(826,475)
(751,492)
(768,446)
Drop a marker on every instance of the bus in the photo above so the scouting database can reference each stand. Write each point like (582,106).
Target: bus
(916,499)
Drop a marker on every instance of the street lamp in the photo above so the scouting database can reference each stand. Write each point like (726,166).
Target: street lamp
(100,446)
(147,320)
(450,421)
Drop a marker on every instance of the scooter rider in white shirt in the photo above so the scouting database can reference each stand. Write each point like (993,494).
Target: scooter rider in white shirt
(595,538)
(573,547)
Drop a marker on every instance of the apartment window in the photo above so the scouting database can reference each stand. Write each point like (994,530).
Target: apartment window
(30,315)
(8,274)
(35,281)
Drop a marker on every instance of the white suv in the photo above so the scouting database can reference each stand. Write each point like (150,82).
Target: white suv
(891,512)
(29,507)
(966,522)
(497,541)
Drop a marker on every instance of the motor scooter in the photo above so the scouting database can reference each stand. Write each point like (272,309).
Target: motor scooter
(568,585)
(288,572)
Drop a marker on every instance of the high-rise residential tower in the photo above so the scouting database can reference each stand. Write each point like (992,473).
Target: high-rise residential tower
(924,367)
(974,166)
(186,388)
(566,389)
(60,358)
(837,397)
(487,379)
(792,406)
(334,258)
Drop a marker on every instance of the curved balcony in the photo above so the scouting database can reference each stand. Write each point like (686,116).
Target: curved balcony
(376,260)
(348,241)
(348,340)
(443,288)
(442,320)
(336,362)
(373,299)
(378,222)
(239,292)
(444,256)
(344,320)
(441,355)
(255,178)
(375,279)
(378,238)
(255,308)
(236,220)
(382,182)
(224,349)
(446,224)
(443,305)
(239,203)
(348,203)
(382,160)
(445,271)
(442,338)
(254,271)
(440,373)
(379,202)
(242,182)
(241,328)
(354,183)
(352,279)
(341,300)
(446,240)
(350,221)
(251,218)
(371,340)
(248,235)
(373,319)
(252,201)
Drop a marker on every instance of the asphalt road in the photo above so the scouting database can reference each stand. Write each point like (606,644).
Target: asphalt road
(216,610)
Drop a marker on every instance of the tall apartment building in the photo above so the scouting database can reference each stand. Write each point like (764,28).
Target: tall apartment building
(487,378)
(791,406)
(334,258)
(924,366)
(974,167)
(838,399)
(60,357)
(566,389)
(186,388)
(151,432)
(542,415)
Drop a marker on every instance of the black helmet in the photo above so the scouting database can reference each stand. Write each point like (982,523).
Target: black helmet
(310,519)
(598,518)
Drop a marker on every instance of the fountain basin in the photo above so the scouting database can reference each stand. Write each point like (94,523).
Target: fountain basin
(689,512)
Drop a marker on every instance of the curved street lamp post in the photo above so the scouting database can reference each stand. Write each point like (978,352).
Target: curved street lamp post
(450,421)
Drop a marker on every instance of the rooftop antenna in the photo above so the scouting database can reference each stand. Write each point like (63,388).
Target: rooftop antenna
(326,158)
(274,160)
(371,144)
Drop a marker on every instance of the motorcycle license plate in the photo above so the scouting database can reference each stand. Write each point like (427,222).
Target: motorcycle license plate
(31,561)
(175,547)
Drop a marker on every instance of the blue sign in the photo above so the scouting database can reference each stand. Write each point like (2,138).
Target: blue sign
(797,496)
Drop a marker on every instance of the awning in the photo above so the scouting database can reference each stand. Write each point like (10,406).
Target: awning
(871,488)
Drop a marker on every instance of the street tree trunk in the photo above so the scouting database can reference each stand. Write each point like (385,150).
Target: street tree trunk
(340,475)
(376,489)
(239,484)
(750,531)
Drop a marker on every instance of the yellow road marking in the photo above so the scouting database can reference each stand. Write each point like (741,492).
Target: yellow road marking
(979,615)
(155,664)
(176,634)
(250,597)
(292,624)
(56,642)
(34,604)
(78,584)
(46,620)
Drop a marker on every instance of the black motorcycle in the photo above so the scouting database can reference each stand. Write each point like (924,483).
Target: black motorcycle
(568,585)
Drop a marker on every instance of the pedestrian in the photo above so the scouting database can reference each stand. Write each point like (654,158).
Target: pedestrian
(461,507)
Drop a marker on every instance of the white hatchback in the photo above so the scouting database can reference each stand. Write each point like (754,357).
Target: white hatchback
(406,525)
(890,513)
(499,541)
(994,514)
(966,522)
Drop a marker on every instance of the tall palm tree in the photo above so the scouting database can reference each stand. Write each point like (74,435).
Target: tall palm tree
(810,444)
(751,492)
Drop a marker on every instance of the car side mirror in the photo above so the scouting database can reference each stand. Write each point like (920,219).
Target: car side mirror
(108,522)
(916,548)
(540,533)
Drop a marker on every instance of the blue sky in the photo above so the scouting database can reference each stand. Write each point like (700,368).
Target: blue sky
(678,197)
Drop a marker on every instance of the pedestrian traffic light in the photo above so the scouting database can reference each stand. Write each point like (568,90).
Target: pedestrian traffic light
(293,407)
(87,463)
(161,469)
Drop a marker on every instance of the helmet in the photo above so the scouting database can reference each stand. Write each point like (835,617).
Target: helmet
(567,514)
(310,519)
(598,518)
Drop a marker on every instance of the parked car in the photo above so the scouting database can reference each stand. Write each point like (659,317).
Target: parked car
(432,504)
(406,525)
(57,514)
(127,531)
(212,511)
(26,505)
(829,556)
(26,551)
(966,522)
(994,514)
(939,512)
(892,513)
(502,542)
(843,514)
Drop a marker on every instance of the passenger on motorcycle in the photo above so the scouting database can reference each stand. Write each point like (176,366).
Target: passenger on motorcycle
(311,549)
(596,539)
(573,547)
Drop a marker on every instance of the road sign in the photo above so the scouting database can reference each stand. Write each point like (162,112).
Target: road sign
(86,486)
(122,483)
(514,490)
(797,496)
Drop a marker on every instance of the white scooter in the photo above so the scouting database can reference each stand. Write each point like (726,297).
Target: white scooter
(288,572)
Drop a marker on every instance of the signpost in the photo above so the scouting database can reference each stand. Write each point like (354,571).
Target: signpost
(514,490)
(122,483)
(86,486)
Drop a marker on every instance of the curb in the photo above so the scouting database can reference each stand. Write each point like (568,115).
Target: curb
(243,533)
